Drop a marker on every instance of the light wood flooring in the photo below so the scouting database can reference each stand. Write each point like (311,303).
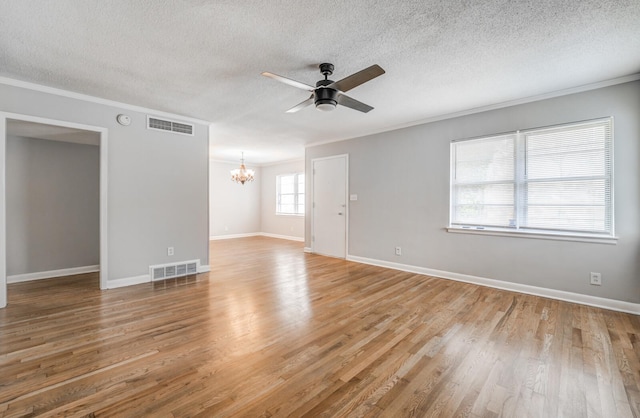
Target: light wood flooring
(274,332)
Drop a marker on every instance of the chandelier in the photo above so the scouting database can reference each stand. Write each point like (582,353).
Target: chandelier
(242,175)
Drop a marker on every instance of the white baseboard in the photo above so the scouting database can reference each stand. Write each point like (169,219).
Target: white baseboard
(17,278)
(145,278)
(232,236)
(288,237)
(612,304)
(256,234)
(307,249)
(128,281)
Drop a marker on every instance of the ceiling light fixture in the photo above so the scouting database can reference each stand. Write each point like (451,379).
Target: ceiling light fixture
(326,107)
(242,175)
(327,94)
(326,98)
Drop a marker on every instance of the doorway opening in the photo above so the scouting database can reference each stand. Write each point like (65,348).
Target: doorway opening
(53,199)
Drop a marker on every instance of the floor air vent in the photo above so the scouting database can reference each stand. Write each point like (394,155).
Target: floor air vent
(169,126)
(168,271)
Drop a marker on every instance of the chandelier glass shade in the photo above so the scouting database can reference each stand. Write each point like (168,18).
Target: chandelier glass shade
(242,175)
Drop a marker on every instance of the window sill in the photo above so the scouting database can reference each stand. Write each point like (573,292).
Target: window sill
(535,235)
(295,215)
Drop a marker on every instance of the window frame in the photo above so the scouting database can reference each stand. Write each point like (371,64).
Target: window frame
(521,183)
(297,199)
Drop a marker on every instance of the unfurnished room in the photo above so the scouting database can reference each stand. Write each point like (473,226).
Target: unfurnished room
(319,209)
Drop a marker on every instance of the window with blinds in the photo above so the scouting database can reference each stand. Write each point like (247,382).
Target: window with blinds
(547,180)
(290,194)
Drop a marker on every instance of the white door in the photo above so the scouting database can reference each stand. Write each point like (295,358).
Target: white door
(329,203)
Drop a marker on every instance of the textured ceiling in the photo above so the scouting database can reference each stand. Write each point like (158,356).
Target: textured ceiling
(203,58)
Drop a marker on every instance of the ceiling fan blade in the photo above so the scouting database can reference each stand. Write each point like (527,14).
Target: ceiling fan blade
(289,81)
(301,105)
(347,101)
(354,80)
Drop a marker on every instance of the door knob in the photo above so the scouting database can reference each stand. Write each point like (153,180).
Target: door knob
(339,213)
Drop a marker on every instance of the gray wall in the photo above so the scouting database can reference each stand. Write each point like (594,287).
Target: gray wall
(234,208)
(157,181)
(402,181)
(250,209)
(53,205)
(287,225)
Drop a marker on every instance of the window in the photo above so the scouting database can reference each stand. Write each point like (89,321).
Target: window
(554,180)
(290,194)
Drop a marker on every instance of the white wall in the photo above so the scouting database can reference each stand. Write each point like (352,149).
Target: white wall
(157,182)
(250,209)
(234,208)
(282,225)
(402,181)
(53,205)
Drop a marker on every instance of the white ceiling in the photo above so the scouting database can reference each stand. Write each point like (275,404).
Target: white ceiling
(203,58)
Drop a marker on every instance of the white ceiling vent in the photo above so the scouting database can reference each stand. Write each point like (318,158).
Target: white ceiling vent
(168,271)
(169,126)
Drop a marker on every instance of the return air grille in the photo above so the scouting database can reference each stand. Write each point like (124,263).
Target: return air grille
(169,126)
(169,271)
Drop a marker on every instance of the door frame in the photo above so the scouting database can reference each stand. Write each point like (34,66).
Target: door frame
(103,132)
(346,200)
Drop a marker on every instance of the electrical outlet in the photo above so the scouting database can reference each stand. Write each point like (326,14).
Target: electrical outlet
(398,251)
(169,250)
(596,279)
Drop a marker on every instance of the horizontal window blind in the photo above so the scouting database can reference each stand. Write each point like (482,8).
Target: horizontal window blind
(550,179)
(568,178)
(483,181)
(290,194)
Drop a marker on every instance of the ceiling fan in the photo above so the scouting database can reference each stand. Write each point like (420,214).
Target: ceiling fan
(327,94)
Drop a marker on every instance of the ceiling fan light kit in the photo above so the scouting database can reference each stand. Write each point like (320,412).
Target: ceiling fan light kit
(327,94)
(325,99)
(326,105)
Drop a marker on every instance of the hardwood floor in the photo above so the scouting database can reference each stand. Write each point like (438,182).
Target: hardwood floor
(272,331)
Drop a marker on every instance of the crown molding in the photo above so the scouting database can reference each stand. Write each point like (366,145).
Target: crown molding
(495,106)
(93,99)
(292,161)
(236,162)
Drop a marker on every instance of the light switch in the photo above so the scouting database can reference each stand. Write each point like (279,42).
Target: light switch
(353,197)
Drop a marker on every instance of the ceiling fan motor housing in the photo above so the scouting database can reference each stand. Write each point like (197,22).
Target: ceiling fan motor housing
(325,98)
